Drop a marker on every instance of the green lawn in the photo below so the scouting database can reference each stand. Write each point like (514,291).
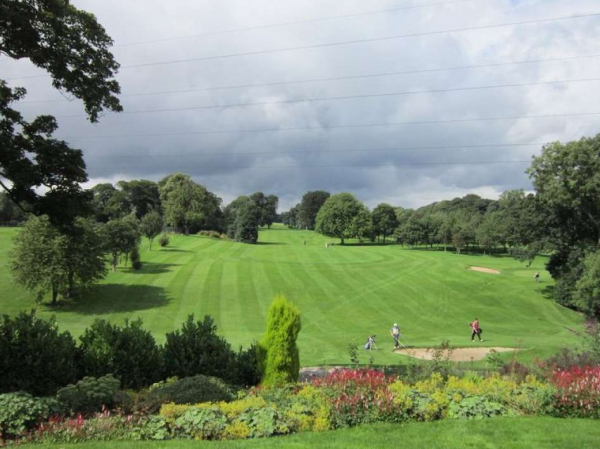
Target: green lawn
(344,294)
(501,433)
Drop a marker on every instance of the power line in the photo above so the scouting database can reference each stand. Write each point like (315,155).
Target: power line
(350,42)
(322,128)
(347,97)
(296,22)
(300,151)
(339,78)
(407,164)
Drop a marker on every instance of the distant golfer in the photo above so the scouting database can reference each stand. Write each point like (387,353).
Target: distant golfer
(536,276)
(395,332)
(476,330)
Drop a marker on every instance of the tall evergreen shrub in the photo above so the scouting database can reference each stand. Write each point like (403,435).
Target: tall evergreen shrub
(278,352)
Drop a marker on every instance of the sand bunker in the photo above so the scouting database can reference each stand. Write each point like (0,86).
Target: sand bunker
(458,354)
(484,270)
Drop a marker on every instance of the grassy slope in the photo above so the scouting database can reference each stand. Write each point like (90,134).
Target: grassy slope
(344,294)
(501,433)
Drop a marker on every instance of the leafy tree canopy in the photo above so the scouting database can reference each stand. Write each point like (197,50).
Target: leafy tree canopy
(73,48)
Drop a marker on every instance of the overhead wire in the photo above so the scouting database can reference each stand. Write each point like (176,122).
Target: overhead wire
(329,127)
(349,42)
(339,78)
(320,151)
(345,97)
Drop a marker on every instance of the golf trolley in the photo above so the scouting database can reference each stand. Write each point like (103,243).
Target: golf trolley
(370,344)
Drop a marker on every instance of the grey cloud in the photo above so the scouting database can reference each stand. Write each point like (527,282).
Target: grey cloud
(288,163)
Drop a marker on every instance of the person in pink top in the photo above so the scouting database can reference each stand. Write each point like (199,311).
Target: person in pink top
(476,330)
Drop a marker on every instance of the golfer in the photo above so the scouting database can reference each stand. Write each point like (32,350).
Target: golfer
(395,332)
(476,330)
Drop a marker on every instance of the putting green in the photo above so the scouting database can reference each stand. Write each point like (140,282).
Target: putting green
(345,293)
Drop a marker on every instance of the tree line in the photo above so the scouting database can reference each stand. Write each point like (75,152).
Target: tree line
(560,219)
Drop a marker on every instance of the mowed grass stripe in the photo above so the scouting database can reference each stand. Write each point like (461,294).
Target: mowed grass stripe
(344,293)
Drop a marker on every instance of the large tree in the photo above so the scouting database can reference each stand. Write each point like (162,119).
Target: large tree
(242,219)
(121,236)
(266,208)
(74,49)
(384,220)
(188,206)
(336,218)
(46,260)
(567,182)
(309,207)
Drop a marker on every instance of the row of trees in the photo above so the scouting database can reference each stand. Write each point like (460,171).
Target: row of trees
(185,206)
(561,219)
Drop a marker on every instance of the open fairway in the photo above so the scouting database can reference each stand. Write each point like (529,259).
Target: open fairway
(344,293)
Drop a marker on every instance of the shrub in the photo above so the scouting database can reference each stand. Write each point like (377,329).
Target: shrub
(136,261)
(201,424)
(163,240)
(358,397)
(578,392)
(35,357)
(248,367)
(150,428)
(90,394)
(20,411)
(278,352)
(128,352)
(476,407)
(213,234)
(197,349)
(192,390)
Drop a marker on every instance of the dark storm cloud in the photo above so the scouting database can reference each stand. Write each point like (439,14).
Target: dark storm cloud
(403,163)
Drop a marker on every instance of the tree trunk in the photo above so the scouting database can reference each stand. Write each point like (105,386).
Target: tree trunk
(342,240)
(54,295)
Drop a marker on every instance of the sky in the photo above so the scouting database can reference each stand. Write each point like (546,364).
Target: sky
(397,101)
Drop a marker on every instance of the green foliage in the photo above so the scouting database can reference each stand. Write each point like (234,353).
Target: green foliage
(56,37)
(279,355)
(120,237)
(129,352)
(242,218)
(197,349)
(266,207)
(188,206)
(19,412)
(46,259)
(201,424)
(151,428)
(343,216)
(248,366)
(309,207)
(163,240)
(384,220)
(586,294)
(213,234)
(136,262)
(35,357)
(151,226)
(192,390)
(89,394)
(475,407)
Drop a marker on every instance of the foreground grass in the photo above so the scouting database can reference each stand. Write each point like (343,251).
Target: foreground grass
(505,433)
(344,293)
